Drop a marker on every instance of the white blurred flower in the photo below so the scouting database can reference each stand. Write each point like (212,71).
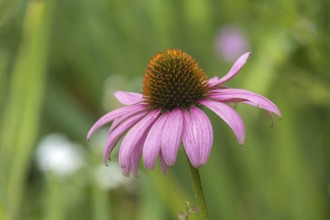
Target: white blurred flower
(231,42)
(55,153)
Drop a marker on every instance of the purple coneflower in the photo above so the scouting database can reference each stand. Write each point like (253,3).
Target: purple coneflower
(231,42)
(170,112)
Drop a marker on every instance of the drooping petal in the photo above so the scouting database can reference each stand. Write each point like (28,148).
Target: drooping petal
(128,98)
(151,147)
(197,136)
(189,138)
(119,120)
(118,132)
(232,72)
(122,118)
(245,96)
(229,115)
(171,136)
(126,170)
(133,137)
(136,155)
(112,115)
(205,141)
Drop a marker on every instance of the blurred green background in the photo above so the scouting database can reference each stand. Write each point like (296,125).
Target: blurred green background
(61,60)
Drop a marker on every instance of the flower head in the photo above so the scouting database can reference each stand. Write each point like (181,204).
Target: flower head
(169,112)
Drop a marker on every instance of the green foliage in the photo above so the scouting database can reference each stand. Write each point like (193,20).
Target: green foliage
(60,61)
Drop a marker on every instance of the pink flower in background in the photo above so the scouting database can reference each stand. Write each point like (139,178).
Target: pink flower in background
(170,112)
(231,42)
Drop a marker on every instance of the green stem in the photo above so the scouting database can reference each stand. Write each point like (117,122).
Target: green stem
(198,191)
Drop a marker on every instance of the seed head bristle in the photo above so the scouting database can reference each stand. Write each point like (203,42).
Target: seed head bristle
(173,79)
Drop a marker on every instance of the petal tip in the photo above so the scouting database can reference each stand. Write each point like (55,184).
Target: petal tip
(246,55)
(194,163)
(170,161)
(241,141)
(165,171)
(125,172)
(106,162)
(90,133)
(88,137)
(149,166)
(199,165)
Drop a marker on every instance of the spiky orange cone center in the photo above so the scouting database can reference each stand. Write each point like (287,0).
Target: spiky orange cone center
(173,79)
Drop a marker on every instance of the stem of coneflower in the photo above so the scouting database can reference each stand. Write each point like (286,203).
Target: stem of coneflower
(198,190)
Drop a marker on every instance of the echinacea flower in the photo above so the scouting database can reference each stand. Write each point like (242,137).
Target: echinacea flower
(170,112)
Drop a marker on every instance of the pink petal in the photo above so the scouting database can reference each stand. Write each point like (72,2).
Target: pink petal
(112,115)
(126,170)
(232,72)
(197,136)
(122,118)
(117,133)
(171,136)
(189,138)
(128,98)
(213,81)
(119,120)
(133,137)
(151,147)
(247,97)
(206,139)
(230,116)
(136,155)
